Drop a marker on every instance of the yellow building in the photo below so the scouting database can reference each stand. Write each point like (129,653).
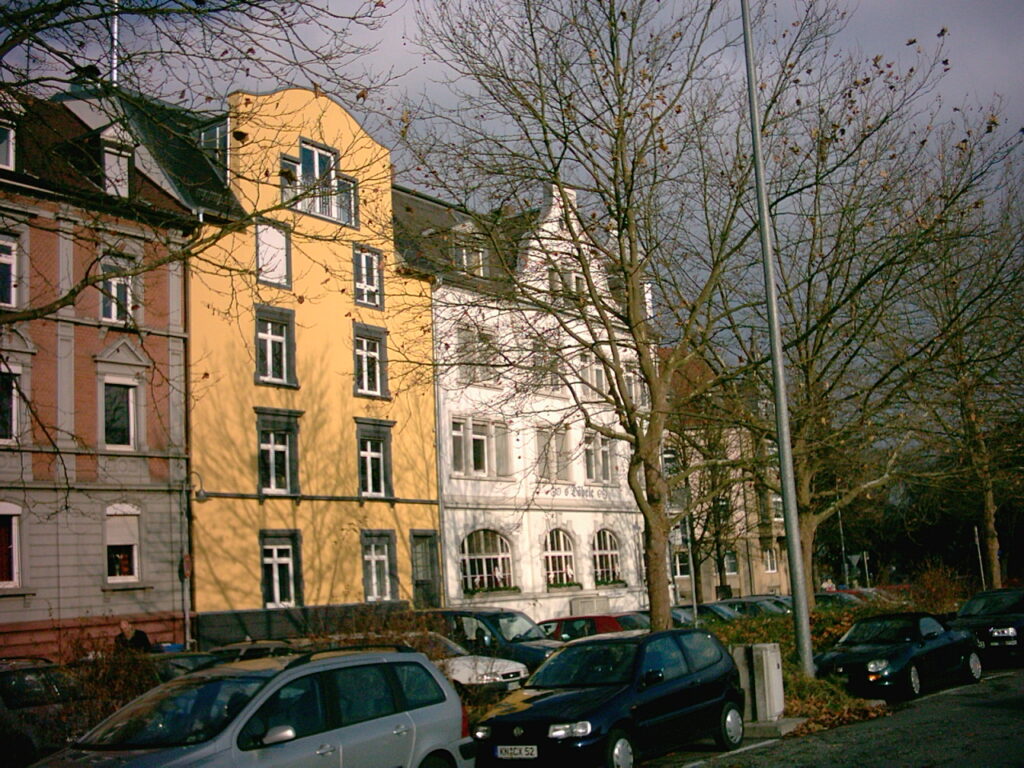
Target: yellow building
(311,403)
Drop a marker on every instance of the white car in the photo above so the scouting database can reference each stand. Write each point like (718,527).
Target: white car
(473,674)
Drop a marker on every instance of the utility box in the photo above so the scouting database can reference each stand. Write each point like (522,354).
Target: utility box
(582,606)
(760,668)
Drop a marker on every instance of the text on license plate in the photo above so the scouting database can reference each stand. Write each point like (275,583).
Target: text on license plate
(517,752)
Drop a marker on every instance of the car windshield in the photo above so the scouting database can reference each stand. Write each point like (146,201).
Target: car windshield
(634,621)
(515,627)
(438,647)
(879,631)
(188,710)
(576,666)
(993,603)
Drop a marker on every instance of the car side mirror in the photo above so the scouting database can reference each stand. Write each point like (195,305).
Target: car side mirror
(278,734)
(653,676)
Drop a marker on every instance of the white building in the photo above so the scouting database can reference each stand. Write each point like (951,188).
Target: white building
(535,510)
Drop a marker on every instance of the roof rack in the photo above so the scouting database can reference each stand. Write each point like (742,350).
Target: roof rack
(305,658)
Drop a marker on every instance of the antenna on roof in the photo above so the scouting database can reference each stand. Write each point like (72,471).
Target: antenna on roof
(114,32)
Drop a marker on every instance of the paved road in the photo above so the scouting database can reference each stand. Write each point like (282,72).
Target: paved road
(973,725)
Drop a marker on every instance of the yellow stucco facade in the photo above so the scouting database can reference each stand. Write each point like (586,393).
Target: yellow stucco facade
(279,423)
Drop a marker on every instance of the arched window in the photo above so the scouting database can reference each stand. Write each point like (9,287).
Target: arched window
(558,558)
(606,558)
(486,562)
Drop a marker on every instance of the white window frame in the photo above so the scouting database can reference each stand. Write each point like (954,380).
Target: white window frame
(9,258)
(468,255)
(275,444)
(778,511)
(368,365)
(553,454)
(371,457)
(321,190)
(592,374)
(368,277)
(597,456)
(273,254)
(13,512)
(114,309)
(477,357)
(559,558)
(494,440)
(214,141)
(607,560)
(680,563)
(485,561)
(279,555)
(268,340)
(129,517)
(771,560)
(377,560)
(731,563)
(14,371)
(8,147)
(133,403)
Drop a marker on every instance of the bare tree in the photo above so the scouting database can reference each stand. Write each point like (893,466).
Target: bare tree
(634,112)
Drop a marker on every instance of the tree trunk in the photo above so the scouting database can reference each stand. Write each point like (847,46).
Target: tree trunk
(808,527)
(655,564)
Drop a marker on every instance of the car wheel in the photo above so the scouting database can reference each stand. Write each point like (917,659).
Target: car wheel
(730,727)
(620,751)
(20,752)
(433,761)
(972,667)
(913,683)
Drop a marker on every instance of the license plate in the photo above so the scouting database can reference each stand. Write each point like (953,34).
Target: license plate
(514,686)
(981,643)
(517,752)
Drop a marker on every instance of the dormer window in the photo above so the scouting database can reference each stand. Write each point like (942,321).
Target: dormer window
(214,141)
(6,147)
(116,164)
(468,256)
(314,185)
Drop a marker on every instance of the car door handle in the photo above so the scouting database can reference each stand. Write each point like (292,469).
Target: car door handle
(326,749)
(401,730)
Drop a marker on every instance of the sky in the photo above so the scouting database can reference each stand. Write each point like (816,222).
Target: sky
(983,43)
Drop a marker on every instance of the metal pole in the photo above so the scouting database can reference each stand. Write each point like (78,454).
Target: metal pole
(693,575)
(842,547)
(801,614)
(981,562)
(867,573)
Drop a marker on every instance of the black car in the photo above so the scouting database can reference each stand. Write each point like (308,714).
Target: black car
(501,632)
(611,699)
(996,617)
(895,655)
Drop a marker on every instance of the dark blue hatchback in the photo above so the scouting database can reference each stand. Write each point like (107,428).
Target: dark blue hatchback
(611,699)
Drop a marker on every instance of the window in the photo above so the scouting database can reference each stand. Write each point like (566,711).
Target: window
(485,562)
(548,368)
(371,361)
(122,535)
(367,694)
(468,255)
(298,703)
(606,558)
(636,389)
(701,648)
(374,454)
(273,254)
(592,374)
(558,558)
(118,298)
(278,436)
(7,147)
(771,562)
(731,563)
(281,562)
(665,655)
(9,401)
(419,686)
(8,271)
(777,509)
(553,454)
(681,563)
(480,447)
(366,269)
(477,357)
(597,454)
(10,546)
(275,346)
(119,414)
(314,185)
(116,168)
(380,568)
(214,141)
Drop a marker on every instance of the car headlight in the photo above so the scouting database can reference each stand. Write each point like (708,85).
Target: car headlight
(877,665)
(569,730)
(482,732)
(1004,632)
(488,677)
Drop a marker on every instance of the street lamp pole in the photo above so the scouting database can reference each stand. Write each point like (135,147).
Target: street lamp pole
(801,616)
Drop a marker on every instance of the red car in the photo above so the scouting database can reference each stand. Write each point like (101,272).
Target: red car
(571,627)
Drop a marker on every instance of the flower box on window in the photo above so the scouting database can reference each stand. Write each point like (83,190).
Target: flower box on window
(488,590)
(610,583)
(565,585)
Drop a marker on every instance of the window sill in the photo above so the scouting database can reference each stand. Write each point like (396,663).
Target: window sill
(367,305)
(276,384)
(373,395)
(321,217)
(127,586)
(564,587)
(16,592)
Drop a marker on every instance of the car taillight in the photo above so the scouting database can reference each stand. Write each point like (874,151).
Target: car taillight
(465,721)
